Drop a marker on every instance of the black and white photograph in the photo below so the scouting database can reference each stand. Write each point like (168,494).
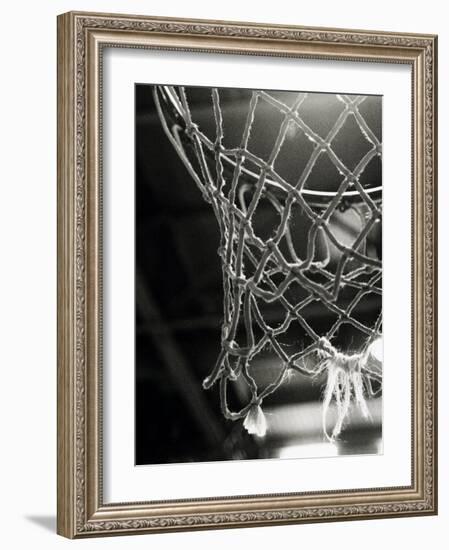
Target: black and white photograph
(247,286)
(258,250)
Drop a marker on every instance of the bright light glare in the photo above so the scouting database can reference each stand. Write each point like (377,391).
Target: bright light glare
(310,450)
(377,349)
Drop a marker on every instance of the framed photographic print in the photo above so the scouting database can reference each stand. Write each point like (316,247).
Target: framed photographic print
(246,274)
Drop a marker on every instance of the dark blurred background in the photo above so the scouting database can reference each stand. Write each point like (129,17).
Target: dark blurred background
(179,297)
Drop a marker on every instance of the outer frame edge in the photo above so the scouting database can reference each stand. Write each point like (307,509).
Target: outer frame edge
(65,367)
(67,498)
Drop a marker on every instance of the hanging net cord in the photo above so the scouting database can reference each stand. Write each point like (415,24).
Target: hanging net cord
(260,270)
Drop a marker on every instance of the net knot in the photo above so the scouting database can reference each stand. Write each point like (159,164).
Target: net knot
(271,244)
(191,129)
(232,347)
(246,222)
(240,281)
(324,346)
(216,193)
(346,362)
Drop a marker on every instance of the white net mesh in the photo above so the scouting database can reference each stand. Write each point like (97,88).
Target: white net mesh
(290,245)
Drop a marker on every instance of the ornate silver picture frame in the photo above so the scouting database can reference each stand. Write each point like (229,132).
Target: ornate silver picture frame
(316,254)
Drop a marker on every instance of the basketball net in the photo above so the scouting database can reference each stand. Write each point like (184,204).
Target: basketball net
(260,272)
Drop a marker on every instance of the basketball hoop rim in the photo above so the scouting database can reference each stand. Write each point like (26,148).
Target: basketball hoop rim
(314,197)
